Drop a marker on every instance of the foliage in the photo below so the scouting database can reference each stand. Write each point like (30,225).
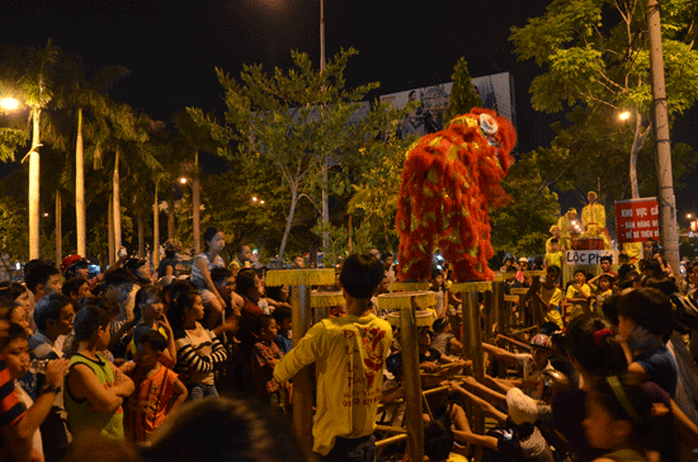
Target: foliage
(376,194)
(522,226)
(595,59)
(14,228)
(300,123)
(463,95)
(587,156)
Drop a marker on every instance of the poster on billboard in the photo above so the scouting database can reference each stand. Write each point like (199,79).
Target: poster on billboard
(496,92)
(637,219)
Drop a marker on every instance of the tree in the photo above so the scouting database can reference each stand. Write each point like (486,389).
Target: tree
(30,73)
(375,196)
(82,97)
(595,55)
(293,121)
(195,138)
(124,135)
(522,226)
(463,95)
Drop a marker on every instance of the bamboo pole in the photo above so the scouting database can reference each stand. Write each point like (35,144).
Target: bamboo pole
(301,312)
(302,382)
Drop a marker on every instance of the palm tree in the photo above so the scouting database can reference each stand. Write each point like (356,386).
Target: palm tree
(31,73)
(195,138)
(85,100)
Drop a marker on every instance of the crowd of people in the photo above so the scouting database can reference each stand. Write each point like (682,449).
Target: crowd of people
(141,359)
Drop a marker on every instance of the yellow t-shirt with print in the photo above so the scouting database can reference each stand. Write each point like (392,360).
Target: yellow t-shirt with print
(578,308)
(552,297)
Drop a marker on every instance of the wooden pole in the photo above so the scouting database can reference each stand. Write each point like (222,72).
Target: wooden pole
(302,383)
(472,346)
(413,388)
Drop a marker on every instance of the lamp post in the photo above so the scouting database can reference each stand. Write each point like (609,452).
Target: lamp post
(11,104)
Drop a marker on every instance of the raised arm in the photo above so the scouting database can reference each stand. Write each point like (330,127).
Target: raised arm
(37,413)
(484,405)
(500,353)
(306,352)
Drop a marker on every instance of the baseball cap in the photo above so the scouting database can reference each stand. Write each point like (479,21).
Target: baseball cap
(542,341)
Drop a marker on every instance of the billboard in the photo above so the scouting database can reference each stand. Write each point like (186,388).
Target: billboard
(496,92)
(637,220)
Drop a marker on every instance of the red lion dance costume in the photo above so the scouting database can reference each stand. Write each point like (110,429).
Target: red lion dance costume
(449,182)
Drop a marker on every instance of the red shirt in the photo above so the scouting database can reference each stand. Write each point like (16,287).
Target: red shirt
(150,403)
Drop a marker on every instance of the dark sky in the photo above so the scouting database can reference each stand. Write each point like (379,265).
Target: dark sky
(173,47)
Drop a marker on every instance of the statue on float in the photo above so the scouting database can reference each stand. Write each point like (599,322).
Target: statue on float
(450,182)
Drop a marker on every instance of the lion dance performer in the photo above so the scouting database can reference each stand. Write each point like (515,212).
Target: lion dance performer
(449,183)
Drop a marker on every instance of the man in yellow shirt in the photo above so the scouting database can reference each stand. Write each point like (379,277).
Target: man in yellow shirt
(567,228)
(349,353)
(594,219)
(549,298)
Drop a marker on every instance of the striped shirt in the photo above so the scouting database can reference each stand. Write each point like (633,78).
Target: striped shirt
(196,277)
(11,409)
(198,354)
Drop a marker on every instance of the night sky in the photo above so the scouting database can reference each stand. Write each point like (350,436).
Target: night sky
(172,48)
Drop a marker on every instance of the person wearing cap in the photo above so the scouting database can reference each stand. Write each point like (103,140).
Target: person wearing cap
(75,266)
(594,219)
(566,226)
(533,363)
(518,438)
(555,231)
(78,266)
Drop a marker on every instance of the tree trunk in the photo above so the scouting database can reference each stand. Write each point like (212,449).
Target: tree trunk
(196,205)
(111,256)
(80,221)
(59,227)
(289,222)
(156,231)
(634,151)
(325,208)
(116,203)
(34,187)
(196,213)
(170,214)
(141,235)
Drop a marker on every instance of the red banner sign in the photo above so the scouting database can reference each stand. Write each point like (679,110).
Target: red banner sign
(637,220)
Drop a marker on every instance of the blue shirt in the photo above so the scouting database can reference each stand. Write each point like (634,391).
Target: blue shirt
(284,343)
(661,368)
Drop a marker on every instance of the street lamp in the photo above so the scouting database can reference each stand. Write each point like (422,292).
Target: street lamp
(9,104)
(625,115)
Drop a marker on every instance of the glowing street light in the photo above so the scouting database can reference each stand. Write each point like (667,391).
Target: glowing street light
(9,104)
(625,115)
